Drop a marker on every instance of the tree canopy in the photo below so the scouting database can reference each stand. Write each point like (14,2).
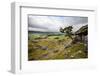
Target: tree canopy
(67,31)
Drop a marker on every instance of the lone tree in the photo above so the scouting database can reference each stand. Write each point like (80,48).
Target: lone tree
(67,31)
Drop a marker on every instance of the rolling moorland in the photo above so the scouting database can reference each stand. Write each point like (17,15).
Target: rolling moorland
(51,46)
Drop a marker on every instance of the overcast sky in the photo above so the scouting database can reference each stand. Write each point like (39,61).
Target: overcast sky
(53,23)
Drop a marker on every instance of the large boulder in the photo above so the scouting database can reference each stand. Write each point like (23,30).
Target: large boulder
(82,31)
(81,35)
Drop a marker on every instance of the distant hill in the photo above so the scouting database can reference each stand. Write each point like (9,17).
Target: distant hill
(39,32)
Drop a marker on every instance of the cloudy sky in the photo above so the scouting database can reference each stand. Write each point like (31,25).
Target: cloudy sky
(53,23)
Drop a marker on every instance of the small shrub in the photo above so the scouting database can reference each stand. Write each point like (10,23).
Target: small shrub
(56,38)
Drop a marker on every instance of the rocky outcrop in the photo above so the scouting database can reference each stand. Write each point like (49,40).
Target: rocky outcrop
(82,31)
(81,35)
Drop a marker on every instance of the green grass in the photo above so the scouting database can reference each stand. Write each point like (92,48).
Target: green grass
(43,47)
(77,51)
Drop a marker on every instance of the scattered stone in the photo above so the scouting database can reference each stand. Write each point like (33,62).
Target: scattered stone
(32,44)
(68,51)
(34,41)
(79,51)
(44,37)
(71,56)
(66,46)
(35,47)
(44,47)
